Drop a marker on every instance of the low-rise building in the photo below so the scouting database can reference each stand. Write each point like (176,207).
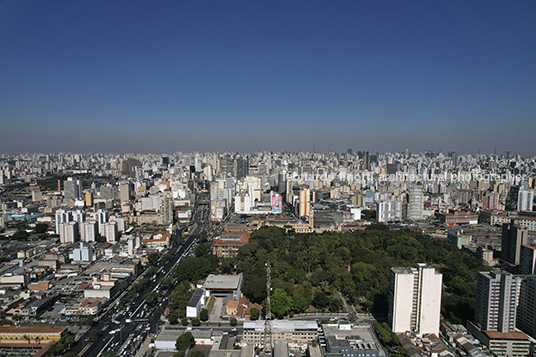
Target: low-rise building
(297,333)
(227,244)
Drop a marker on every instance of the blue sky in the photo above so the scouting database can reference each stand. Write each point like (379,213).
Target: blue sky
(155,76)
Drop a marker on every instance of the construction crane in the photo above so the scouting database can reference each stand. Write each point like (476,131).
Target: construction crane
(268,338)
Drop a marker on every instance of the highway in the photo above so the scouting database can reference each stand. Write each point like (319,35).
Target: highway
(133,323)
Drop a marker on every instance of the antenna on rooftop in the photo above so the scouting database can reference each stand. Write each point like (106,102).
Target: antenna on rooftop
(268,339)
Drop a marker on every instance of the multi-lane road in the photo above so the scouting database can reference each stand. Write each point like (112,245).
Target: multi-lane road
(134,322)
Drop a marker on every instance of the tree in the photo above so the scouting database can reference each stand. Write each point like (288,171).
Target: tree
(196,322)
(196,353)
(203,315)
(41,228)
(100,239)
(173,317)
(254,313)
(281,303)
(108,354)
(184,321)
(93,334)
(89,319)
(185,341)
(153,258)
(233,322)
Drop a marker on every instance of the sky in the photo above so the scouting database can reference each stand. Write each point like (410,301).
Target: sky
(169,76)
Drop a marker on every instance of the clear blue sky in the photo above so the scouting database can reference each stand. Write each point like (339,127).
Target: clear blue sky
(166,76)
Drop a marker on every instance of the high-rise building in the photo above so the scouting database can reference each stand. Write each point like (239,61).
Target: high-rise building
(513,237)
(525,198)
(389,210)
(526,308)
(415,299)
(305,202)
(527,260)
(101,217)
(415,205)
(68,232)
(167,207)
(62,217)
(125,191)
(496,301)
(89,231)
(110,232)
(72,189)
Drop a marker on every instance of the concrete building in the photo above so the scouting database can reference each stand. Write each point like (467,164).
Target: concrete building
(110,232)
(526,310)
(89,231)
(69,232)
(527,259)
(167,207)
(496,301)
(297,333)
(62,216)
(513,237)
(525,198)
(344,339)
(415,300)
(83,253)
(389,210)
(227,244)
(197,302)
(72,189)
(101,217)
(415,204)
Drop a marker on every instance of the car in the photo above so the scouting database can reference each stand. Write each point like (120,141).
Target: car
(128,321)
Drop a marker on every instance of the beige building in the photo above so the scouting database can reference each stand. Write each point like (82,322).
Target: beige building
(31,334)
(296,333)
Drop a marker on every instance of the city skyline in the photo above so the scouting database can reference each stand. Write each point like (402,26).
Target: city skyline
(280,76)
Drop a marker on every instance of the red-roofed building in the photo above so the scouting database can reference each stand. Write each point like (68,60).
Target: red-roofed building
(226,245)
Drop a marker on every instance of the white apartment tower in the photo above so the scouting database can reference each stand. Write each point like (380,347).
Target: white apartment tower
(525,198)
(415,204)
(415,299)
(89,231)
(496,301)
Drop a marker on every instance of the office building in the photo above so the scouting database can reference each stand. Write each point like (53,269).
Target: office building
(527,260)
(496,301)
(72,189)
(415,300)
(513,237)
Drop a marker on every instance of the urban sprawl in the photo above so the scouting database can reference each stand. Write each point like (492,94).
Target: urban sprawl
(353,254)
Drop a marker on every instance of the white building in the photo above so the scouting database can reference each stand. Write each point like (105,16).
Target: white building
(197,302)
(110,232)
(389,210)
(415,205)
(525,198)
(496,301)
(83,254)
(415,300)
(68,232)
(89,231)
(62,216)
(101,217)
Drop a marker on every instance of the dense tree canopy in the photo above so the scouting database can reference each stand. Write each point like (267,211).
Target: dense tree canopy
(315,269)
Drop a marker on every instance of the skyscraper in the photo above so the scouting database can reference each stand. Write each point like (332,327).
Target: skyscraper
(496,300)
(415,299)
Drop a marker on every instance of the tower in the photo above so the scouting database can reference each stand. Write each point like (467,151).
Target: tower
(496,300)
(513,237)
(415,299)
